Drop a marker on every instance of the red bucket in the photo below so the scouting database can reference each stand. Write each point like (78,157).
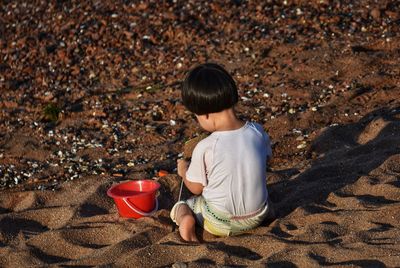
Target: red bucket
(135,199)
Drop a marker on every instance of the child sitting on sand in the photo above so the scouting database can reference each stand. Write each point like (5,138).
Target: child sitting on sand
(227,172)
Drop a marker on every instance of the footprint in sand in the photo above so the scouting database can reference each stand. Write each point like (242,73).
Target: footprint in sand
(18,201)
(372,130)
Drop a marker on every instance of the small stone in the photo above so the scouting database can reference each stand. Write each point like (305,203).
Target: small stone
(314,109)
(149,127)
(292,111)
(392,14)
(179,265)
(376,14)
(302,145)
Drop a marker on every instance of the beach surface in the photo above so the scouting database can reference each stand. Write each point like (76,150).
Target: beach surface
(90,97)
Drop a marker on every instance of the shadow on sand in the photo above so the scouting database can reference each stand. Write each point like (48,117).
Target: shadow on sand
(344,154)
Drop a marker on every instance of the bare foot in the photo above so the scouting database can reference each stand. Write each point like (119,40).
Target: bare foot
(187,223)
(187,228)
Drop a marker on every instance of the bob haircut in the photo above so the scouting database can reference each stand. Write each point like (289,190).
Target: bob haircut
(208,88)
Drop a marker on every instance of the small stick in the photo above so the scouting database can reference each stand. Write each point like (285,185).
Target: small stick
(180,191)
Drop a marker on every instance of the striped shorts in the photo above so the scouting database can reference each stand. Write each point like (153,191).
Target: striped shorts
(221,223)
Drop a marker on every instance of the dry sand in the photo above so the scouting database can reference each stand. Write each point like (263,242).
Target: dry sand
(321,76)
(343,210)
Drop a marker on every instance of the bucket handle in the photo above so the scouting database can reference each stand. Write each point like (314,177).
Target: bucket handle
(138,211)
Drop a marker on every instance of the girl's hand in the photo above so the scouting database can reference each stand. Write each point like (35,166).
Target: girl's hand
(182,167)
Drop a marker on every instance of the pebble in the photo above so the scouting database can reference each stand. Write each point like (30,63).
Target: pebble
(274,109)
(302,145)
(149,128)
(179,265)
(376,14)
(65,151)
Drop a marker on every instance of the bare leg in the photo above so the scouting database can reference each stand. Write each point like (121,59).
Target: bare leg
(186,222)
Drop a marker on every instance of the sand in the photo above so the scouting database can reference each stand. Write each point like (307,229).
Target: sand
(343,210)
(92,98)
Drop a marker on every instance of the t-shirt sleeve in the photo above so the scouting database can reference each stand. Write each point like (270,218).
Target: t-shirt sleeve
(197,171)
(266,140)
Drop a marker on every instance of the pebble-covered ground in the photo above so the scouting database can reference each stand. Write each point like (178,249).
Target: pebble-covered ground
(93,87)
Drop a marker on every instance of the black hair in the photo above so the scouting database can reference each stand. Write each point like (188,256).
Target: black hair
(209,88)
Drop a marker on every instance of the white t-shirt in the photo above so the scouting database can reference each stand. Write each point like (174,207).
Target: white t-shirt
(231,165)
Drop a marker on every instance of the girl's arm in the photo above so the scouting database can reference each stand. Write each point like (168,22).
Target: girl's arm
(194,187)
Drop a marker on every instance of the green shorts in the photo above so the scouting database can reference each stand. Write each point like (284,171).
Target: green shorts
(221,223)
